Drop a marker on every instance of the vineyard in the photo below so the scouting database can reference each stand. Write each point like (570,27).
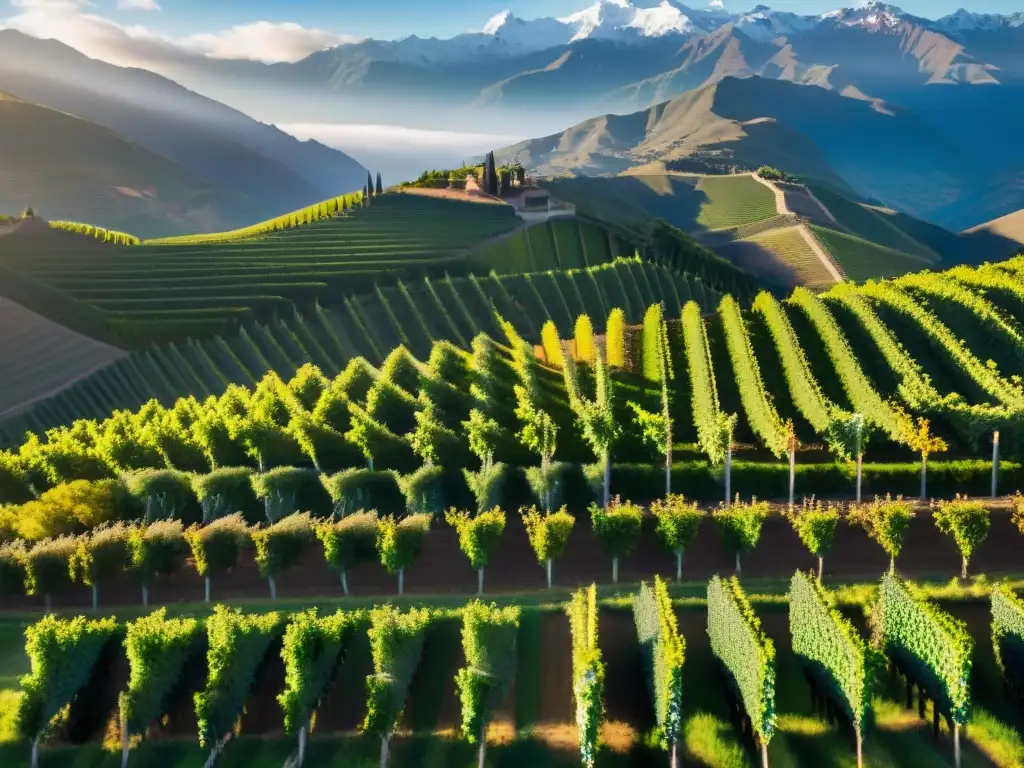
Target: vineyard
(797,678)
(838,367)
(789,246)
(734,201)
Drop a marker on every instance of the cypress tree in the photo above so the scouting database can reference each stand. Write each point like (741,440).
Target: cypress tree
(492,175)
(369,183)
(366,196)
(380,188)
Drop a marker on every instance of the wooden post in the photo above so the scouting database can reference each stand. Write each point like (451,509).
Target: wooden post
(764,755)
(401,581)
(792,475)
(385,746)
(956,745)
(273,587)
(479,581)
(145,596)
(679,566)
(728,472)
(860,474)
(548,568)
(344,582)
(995,462)
(206,580)
(95,597)
(615,569)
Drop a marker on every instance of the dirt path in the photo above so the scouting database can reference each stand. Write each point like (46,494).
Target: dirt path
(780,197)
(821,253)
(824,210)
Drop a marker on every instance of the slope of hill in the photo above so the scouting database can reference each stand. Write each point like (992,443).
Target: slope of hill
(68,168)
(863,236)
(41,357)
(268,170)
(415,314)
(880,150)
(1009,229)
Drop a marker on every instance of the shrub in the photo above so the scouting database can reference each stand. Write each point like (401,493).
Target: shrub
(886,521)
(567,485)
(48,567)
(489,642)
(12,568)
(833,651)
(102,555)
(62,654)
(432,488)
(479,536)
(740,644)
(164,494)
(548,534)
(740,524)
(14,484)
(587,671)
(9,520)
(226,491)
(348,542)
(157,549)
(157,649)
(308,385)
(929,645)
(74,508)
(399,543)
(677,524)
(663,649)
(501,486)
(615,338)
(1008,635)
(618,529)
(355,489)
(816,525)
(552,344)
(967,522)
(217,547)
(287,490)
(311,651)
(236,646)
(280,545)
(584,336)
(396,643)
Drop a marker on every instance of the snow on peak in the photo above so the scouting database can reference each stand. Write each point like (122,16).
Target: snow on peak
(963,20)
(619,19)
(497,21)
(716,5)
(764,25)
(873,14)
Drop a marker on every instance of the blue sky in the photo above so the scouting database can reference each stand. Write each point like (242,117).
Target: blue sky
(390,19)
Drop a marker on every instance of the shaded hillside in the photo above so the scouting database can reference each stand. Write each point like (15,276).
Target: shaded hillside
(268,169)
(41,357)
(1001,238)
(878,150)
(68,168)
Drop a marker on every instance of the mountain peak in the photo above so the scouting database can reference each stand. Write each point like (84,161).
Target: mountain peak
(497,21)
(963,20)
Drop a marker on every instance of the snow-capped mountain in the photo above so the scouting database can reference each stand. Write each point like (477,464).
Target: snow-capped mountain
(968,21)
(617,20)
(873,15)
(764,25)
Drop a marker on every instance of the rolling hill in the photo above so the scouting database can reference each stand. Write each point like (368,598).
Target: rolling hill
(263,170)
(879,150)
(775,236)
(68,168)
(1007,228)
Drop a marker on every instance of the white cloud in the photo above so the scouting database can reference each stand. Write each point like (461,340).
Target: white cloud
(138,5)
(73,23)
(264,41)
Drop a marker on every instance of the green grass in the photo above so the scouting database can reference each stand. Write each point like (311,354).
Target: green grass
(862,260)
(870,225)
(733,201)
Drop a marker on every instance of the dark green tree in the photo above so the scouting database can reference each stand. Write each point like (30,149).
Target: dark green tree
(380,187)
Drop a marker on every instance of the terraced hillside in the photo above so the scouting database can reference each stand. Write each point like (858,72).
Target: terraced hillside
(876,350)
(415,314)
(725,212)
(790,246)
(41,357)
(864,260)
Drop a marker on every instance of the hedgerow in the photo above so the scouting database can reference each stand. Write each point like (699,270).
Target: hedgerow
(587,671)
(663,649)
(746,653)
